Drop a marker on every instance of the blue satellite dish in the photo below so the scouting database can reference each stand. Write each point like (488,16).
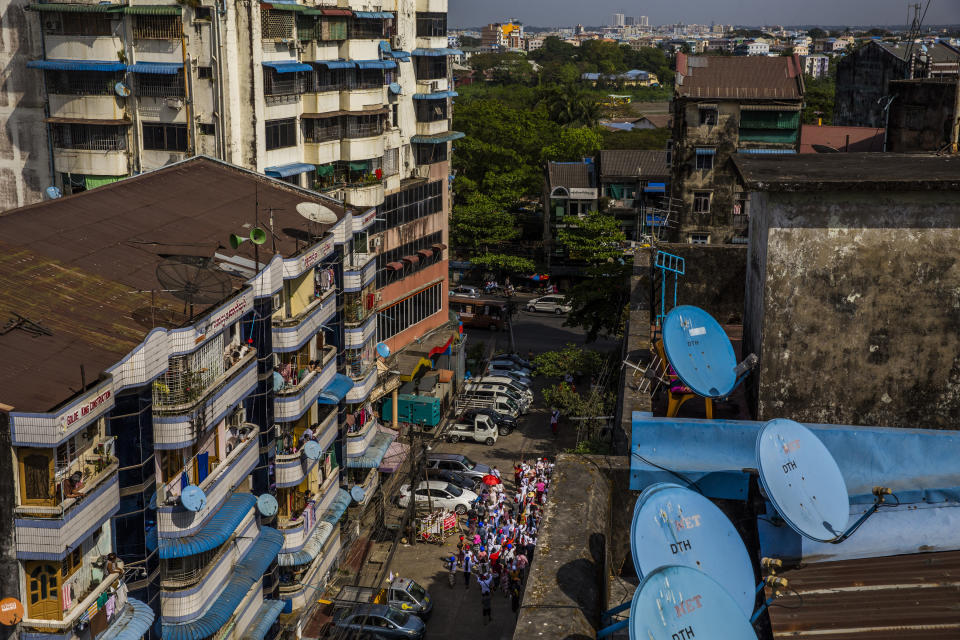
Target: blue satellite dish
(673,525)
(277,381)
(52,193)
(679,602)
(357,493)
(267,505)
(802,480)
(312,449)
(192,498)
(121,90)
(699,351)
(383,350)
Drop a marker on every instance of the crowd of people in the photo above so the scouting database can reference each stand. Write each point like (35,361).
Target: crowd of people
(501,534)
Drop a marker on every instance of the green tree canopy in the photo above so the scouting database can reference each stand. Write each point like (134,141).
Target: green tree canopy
(570,105)
(645,139)
(481,224)
(817,33)
(818,99)
(572,360)
(574,144)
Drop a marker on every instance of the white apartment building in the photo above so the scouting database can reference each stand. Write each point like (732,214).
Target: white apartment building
(817,65)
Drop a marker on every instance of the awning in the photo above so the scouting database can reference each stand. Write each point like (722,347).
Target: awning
(770,107)
(439,95)
(411,259)
(320,534)
(105,123)
(395,88)
(336,12)
(337,390)
(373,15)
(153,10)
(438,138)
(395,266)
(373,455)
(77,65)
(437,52)
(336,64)
(266,615)
(156,68)
(397,452)
(706,152)
(655,187)
(376,64)
(425,253)
(287,170)
(214,532)
(246,573)
(439,246)
(766,151)
(285,5)
(76,8)
(287,66)
(400,55)
(131,624)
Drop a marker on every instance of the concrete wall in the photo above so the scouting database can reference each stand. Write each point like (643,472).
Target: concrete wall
(715,279)
(9,568)
(853,306)
(862,79)
(24,156)
(921,115)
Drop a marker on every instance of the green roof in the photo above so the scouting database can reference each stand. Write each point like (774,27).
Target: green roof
(153,10)
(76,8)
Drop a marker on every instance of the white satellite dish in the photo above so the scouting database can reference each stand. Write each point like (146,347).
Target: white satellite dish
(316,213)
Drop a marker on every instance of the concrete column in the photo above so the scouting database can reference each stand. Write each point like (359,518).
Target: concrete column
(394,396)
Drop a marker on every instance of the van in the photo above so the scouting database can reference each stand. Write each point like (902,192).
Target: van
(501,390)
(484,399)
(520,389)
(552,304)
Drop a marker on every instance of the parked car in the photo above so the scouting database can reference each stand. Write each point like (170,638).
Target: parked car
(519,378)
(523,362)
(459,463)
(517,386)
(445,495)
(506,423)
(465,291)
(552,304)
(377,621)
(478,385)
(454,477)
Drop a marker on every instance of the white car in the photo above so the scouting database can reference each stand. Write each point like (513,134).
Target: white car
(553,304)
(465,291)
(509,365)
(442,494)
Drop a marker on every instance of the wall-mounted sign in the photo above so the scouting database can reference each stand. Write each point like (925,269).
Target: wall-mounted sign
(309,258)
(582,193)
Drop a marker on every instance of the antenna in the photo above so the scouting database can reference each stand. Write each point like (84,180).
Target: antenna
(674,525)
(316,213)
(804,483)
(194,280)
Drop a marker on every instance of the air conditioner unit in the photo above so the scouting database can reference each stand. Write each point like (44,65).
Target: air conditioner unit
(375,242)
(397,42)
(277,301)
(175,103)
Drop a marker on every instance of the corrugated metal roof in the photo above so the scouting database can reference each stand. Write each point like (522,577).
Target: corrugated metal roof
(632,163)
(286,170)
(376,64)
(157,68)
(132,623)
(437,52)
(214,532)
(77,65)
(373,455)
(570,175)
(742,77)
(437,95)
(247,573)
(438,138)
(337,390)
(89,263)
(892,598)
(266,615)
(287,66)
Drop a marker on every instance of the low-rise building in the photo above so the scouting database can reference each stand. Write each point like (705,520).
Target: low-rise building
(815,66)
(635,185)
(570,191)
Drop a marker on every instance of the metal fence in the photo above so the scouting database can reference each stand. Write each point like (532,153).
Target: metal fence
(85,137)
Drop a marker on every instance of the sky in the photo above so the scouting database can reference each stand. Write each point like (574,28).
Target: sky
(561,13)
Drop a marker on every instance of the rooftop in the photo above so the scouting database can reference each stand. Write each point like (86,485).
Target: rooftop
(939,52)
(750,77)
(849,172)
(633,163)
(841,138)
(84,267)
(571,175)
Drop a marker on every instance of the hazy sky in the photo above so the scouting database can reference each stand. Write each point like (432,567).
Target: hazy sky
(549,13)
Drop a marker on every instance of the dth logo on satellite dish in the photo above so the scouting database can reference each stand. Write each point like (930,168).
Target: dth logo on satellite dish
(688,605)
(793,445)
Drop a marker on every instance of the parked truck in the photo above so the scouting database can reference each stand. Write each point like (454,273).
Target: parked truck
(403,594)
(422,410)
(481,429)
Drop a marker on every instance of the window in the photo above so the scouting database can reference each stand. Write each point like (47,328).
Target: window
(283,84)
(202,13)
(705,159)
(205,73)
(430,153)
(430,67)
(386,275)
(281,133)
(363,79)
(413,203)
(276,25)
(321,129)
(333,28)
(78,24)
(157,27)
(165,137)
(90,137)
(431,110)
(431,25)
(669,152)
(36,476)
(701,201)
(409,311)
(699,238)
(71,563)
(708,116)
(369,29)
(90,83)
(395,121)
(323,79)
(208,129)
(362,126)
(391,162)
(153,85)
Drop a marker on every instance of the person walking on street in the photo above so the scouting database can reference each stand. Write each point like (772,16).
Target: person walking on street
(515,598)
(452,569)
(486,601)
(467,566)
(554,420)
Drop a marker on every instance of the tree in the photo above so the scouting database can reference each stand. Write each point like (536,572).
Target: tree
(574,144)
(571,360)
(818,100)
(480,224)
(468,41)
(564,73)
(645,139)
(570,105)
(503,262)
(816,34)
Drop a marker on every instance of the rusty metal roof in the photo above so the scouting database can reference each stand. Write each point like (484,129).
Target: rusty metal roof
(891,598)
(84,266)
(739,77)
(631,163)
(571,175)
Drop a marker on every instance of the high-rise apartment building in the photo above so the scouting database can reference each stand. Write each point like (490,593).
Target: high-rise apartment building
(618,20)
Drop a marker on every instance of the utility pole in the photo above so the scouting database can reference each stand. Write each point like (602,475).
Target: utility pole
(417,471)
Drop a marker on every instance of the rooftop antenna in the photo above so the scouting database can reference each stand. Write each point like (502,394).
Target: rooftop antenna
(194,280)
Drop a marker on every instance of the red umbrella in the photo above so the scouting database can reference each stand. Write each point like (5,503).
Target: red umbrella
(490,479)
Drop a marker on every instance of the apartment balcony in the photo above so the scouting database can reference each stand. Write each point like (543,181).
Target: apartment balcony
(357,273)
(86,597)
(83,47)
(362,99)
(298,530)
(362,388)
(363,195)
(291,468)
(43,531)
(292,402)
(184,406)
(369,484)
(621,203)
(321,152)
(431,128)
(432,86)
(364,148)
(91,162)
(160,49)
(174,521)
(361,48)
(432,6)
(321,102)
(289,334)
(86,107)
(432,42)
(357,442)
(303,592)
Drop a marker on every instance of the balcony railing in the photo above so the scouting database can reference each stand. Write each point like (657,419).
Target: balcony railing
(82,604)
(178,394)
(96,464)
(292,321)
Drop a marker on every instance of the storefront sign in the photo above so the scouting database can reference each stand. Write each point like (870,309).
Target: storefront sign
(582,193)
(89,405)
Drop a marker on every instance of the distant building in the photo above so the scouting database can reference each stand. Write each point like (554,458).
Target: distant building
(632,78)
(864,75)
(723,106)
(507,35)
(644,21)
(653,121)
(531,43)
(814,139)
(815,66)
(922,113)
(752,48)
(636,185)
(629,21)
(570,190)
(618,20)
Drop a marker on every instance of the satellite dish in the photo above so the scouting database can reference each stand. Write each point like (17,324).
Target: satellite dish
(121,90)
(277,381)
(312,450)
(676,602)
(383,350)
(823,148)
(315,212)
(675,525)
(802,480)
(52,193)
(267,505)
(699,351)
(193,280)
(357,493)
(192,498)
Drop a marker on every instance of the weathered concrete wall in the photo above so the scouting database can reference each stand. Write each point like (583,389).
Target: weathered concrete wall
(9,571)
(634,396)
(853,305)
(862,79)
(921,114)
(714,280)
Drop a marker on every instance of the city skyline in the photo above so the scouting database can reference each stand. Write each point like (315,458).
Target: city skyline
(567,13)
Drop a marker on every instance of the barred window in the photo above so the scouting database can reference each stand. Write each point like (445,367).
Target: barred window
(90,137)
(413,203)
(333,28)
(276,25)
(157,28)
(155,85)
(430,67)
(283,84)
(409,311)
(364,28)
(363,79)
(77,24)
(701,202)
(323,79)
(391,162)
(431,110)
(281,133)
(165,136)
(363,126)
(431,24)
(321,129)
(90,83)
(430,153)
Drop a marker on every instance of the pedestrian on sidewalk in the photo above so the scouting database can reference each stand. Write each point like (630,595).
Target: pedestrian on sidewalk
(515,598)
(554,420)
(487,603)
(452,569)
(467,566)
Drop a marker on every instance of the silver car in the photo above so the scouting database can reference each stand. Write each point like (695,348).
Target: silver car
(552,304)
